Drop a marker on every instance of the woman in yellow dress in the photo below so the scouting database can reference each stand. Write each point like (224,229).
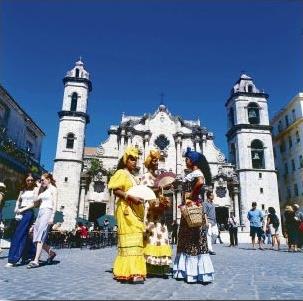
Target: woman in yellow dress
(157,251)
(129,265)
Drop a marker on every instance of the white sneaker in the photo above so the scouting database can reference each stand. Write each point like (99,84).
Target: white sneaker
(9,265)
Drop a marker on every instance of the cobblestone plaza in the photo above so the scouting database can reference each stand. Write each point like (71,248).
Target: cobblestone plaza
(240,273)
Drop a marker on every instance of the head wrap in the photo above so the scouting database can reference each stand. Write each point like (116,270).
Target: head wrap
(194,156)
(130,151)
(152,155)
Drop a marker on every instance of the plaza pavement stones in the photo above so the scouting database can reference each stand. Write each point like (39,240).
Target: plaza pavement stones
(83,274)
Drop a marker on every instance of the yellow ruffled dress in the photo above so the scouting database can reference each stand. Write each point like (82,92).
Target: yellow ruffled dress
(130,260)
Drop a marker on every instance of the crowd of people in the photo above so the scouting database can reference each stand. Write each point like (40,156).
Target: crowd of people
(144,241)
(267,226)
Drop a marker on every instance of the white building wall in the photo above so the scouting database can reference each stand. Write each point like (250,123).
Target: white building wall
(251,193)
(82,90)
(75,125)
(67,176)
(281,133)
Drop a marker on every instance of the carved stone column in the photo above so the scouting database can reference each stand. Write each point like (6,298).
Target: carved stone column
(82,200)
(178,141)
(175,205)
(178,193)
(145,148)
(122,142)
(197,143)
(238,216)
(83,183)
(129,138)
(204,138)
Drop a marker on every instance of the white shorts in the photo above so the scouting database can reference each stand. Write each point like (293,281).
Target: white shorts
(274,231)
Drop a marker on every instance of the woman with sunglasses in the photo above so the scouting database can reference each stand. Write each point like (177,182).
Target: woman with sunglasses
(21,243)
(47,196)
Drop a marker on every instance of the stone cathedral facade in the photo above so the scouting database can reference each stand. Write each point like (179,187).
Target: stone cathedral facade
(248,176)
(171,135)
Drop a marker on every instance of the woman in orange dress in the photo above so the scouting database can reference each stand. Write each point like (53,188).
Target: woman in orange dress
(157,250)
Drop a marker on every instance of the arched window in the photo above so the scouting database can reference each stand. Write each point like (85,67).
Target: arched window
(73,106)
(249,88)
(77,72)
(253,113)
(70,140)
(231,117)
(257,154)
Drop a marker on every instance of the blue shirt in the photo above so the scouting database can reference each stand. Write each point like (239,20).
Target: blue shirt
(210,211)
(255,217)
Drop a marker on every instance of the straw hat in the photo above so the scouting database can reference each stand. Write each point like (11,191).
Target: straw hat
(2,185)
(288,208)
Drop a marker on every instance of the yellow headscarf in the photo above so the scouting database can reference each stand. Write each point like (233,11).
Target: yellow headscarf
(152,154)
(130,151)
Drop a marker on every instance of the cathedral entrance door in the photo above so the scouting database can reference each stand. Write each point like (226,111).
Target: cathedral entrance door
(222,217)
(96,209)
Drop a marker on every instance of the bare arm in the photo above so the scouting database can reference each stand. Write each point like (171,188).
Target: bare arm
(18,202)
(123,195)
(267,221)
(206,220)
(197,187)
(1,197)
(55,201)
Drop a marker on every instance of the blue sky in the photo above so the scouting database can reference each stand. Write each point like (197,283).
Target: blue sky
(192,51)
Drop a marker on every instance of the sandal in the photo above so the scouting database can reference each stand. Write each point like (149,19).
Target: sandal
(51,258)
(32,264)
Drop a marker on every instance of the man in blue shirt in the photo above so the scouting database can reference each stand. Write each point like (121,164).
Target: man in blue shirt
(210,211)
(255,217)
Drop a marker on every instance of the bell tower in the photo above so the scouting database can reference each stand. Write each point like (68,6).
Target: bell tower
(250,147)
(73,119)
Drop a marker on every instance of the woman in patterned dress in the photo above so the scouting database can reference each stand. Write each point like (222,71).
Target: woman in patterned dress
(157,250)
(129,265)
(193,263)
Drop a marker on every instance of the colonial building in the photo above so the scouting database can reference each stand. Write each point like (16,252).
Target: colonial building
(250,146)
(171,135)
(20,144)
(288,151)
(70,145)
(82,173)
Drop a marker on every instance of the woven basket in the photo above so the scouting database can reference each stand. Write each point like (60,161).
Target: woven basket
(192,215)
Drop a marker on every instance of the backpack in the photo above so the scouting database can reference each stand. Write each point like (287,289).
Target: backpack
(275,221)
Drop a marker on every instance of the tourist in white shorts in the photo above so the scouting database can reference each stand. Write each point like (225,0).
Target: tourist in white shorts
(273,223)
(47,195)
